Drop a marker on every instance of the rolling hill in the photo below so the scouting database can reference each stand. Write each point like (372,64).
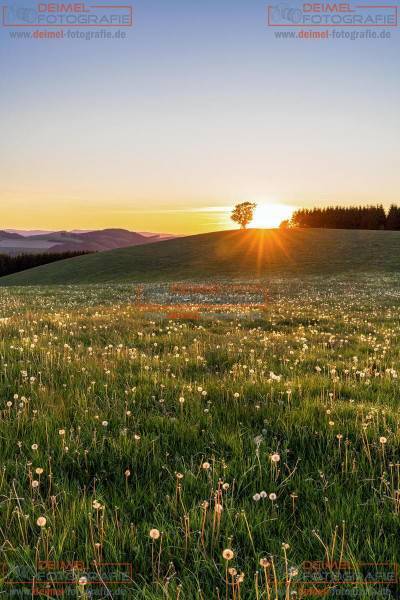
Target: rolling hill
(232,254)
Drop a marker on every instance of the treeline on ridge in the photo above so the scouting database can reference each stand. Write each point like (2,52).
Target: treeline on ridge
(21,262)
(352,217)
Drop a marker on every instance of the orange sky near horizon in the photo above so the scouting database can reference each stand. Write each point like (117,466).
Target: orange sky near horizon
(71,214)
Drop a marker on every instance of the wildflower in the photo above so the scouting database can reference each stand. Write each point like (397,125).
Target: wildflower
(154,534)
(273,496)
(61,432)
(228,554)
(34,446)
(383,440)
(104,423)
(39,471)
(127,473)
(41,521)
(206,466)
(256,497)
(275,457)
(35,483)
(264,562)
(263,494)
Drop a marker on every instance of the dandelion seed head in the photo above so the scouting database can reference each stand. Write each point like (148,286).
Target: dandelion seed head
(228,554)
(154,534)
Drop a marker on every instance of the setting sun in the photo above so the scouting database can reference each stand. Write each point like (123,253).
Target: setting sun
(271,215)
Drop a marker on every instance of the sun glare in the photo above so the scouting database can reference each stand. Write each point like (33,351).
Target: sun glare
(270,215)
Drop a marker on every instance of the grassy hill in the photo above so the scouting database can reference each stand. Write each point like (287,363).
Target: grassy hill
(253,253)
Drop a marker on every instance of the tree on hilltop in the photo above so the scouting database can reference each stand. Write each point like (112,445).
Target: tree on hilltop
(243,213)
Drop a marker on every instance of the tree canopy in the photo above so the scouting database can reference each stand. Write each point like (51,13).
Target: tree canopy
(347,217)
(243,213)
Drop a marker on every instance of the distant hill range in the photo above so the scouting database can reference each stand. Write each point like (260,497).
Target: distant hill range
(17,242)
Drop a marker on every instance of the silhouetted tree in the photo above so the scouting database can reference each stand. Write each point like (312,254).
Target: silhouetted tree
(346,217)
(243,213)
(393,218)
(373,218)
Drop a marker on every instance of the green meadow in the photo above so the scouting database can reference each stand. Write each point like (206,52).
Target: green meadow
(216,455)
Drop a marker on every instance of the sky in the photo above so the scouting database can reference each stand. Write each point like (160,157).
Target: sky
(199,108)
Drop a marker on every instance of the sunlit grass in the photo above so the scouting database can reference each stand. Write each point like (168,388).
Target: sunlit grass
(273,434)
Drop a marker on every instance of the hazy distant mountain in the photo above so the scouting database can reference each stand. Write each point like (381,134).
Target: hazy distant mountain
(7,234)
(17,241)
(164,236)
(28,232)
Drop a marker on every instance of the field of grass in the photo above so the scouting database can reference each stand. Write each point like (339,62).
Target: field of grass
(232,254)
(215,454)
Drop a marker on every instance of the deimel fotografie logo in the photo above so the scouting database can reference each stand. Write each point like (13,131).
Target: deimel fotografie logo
(67,15)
